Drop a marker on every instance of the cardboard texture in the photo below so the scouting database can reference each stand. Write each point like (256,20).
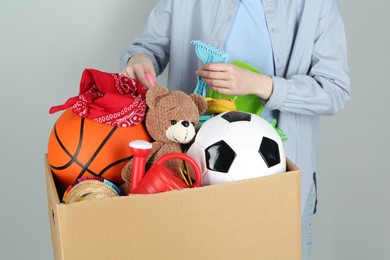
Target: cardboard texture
(252,219)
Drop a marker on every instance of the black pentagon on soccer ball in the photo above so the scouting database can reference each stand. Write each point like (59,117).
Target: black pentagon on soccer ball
(269,150)
(219,157)
(235,116)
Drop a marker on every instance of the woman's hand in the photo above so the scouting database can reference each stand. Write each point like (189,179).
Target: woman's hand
(227,78)
(137,67)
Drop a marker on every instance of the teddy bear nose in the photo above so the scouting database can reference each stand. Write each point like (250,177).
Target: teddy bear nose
(185,123)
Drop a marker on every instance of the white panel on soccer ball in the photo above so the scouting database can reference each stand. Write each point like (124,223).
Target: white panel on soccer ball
(211,131)
(246,166)
(196,152)
(212,177)
(263,125)
(243,136)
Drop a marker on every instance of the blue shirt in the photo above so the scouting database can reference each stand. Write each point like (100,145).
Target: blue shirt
(309,52)
(243,44)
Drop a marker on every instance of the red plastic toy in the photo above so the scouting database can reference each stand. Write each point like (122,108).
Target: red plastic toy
(159,178)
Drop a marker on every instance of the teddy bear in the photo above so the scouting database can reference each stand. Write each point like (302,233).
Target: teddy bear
(171,120)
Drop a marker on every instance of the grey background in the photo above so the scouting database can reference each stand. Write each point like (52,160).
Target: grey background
(44,47)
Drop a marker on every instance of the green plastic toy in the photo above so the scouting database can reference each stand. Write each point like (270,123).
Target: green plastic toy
(282,135)
(247,103)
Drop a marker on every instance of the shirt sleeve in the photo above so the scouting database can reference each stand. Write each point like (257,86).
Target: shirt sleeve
(154,41)
(321,88)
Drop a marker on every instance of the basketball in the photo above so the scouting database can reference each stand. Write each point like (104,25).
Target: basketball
(80,147)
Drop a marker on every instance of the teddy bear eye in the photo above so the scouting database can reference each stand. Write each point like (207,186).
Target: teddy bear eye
(173,122)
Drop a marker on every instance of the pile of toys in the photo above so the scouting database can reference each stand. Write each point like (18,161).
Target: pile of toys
(116,138)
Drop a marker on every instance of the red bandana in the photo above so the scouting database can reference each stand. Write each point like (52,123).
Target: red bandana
(108,98)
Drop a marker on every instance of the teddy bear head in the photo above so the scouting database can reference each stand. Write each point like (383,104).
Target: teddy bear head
(173,116)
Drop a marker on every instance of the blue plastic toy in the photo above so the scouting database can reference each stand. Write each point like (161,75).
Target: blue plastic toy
(208,54)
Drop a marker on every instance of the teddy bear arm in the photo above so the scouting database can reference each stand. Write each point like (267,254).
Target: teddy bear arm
(126,171)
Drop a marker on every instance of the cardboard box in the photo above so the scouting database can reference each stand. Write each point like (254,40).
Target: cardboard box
(252,219)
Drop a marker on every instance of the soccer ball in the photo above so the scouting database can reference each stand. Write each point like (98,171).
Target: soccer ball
(235,146)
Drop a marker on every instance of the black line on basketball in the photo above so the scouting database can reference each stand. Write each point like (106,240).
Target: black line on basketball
(72,157)
(114,164)
(85,168)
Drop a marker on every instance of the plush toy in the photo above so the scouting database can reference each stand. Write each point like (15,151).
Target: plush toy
(171,120)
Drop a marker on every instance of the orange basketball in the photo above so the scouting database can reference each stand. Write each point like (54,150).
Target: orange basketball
(82,147)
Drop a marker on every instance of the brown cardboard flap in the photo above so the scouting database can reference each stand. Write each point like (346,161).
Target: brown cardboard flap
(53,204)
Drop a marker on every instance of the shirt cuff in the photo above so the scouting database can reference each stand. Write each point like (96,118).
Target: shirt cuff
(279,93)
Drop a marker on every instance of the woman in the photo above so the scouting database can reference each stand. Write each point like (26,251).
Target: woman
(299,46)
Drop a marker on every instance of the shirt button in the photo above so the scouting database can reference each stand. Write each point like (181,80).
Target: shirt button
(275,30)
(279,59)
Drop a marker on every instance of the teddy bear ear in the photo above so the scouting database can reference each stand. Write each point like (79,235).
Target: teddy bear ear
(153,93)
(200,103)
